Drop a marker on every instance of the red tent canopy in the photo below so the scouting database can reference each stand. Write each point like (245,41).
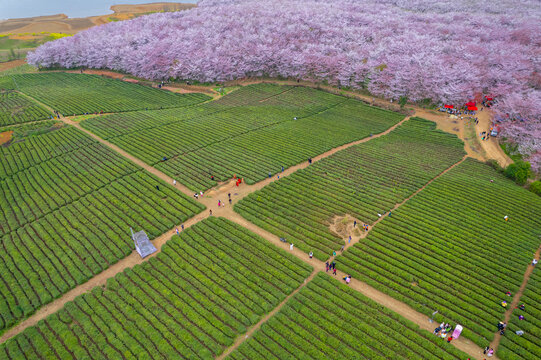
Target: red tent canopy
(448,106)
(489,98)
(471,103)
(472,108)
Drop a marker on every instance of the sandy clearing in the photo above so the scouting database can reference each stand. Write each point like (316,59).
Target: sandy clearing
(491,146)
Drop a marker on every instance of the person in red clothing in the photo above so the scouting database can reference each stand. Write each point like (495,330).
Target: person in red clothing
(449,339)
(334,271)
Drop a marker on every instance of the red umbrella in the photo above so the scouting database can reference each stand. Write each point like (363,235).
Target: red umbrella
(471,103)
(448,106)
(472,108)
(489,99)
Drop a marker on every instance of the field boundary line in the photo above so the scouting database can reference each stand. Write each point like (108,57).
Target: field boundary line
(516,299)
(243,337)
(26,123)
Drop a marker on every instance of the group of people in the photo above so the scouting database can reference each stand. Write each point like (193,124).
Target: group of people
(198,195)
(485,135)
(331,266)
(444,331)
(488,351)
(365,226)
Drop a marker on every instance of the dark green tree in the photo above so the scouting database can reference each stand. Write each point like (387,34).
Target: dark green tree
(519,171)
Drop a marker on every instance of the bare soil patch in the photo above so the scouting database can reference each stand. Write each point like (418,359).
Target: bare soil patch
(5,137)
(11,64)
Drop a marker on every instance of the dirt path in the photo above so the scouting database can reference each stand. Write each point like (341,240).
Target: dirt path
(356,238)
(443,121)
(243,337)
(11,64)
(210,200)
(490,146)
(130,157)
(397,306)
(516,299)
(99,280)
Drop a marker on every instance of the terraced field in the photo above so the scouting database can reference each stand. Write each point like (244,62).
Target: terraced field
(328,320)
(72,94)
(16,108)
(248,133)
(449,248)
(527,346)
(361,181)
(69,204)
(191,301)
(33,144)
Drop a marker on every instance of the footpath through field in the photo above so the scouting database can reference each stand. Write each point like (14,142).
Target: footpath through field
(397,306)
(516,300)
(210,200)
(256,327)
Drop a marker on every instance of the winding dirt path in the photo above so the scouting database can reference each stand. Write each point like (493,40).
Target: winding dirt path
(516,299)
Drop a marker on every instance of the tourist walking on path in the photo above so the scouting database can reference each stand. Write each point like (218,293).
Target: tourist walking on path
(311,254)
(327,266)
(182,227)
(210,212)
(291,246)
(355,223)
(282,168)
(534,262)
(174,182)
(334,271)
(176,229)
(333,265)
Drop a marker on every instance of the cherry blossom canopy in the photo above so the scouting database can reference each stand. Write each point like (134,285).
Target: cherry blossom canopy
(447,52)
